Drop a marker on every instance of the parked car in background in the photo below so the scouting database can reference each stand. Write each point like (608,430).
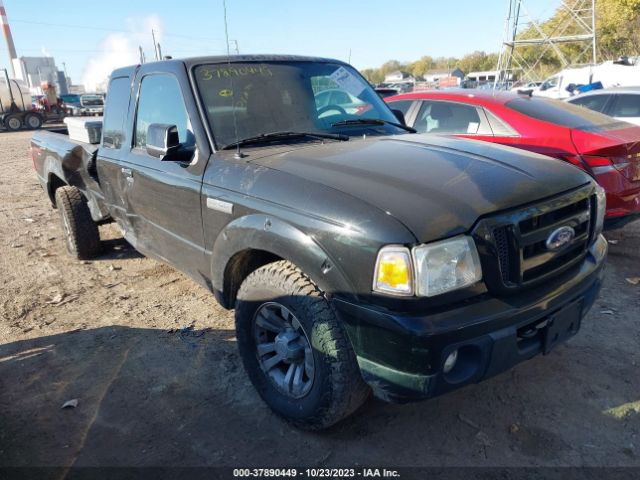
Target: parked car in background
(71,104)
(622,103)
(333,97)
(606,148)
(404,87)
(91,104)
(85,104)
(526,86)
(608,74)
(385,92)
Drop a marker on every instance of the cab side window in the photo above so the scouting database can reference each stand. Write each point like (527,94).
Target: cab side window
(161,101)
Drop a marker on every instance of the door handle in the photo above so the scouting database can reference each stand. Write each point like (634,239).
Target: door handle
(126,171)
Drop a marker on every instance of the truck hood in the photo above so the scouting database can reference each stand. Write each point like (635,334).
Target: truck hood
(436,186)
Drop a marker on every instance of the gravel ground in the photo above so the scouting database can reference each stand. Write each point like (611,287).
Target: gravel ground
(152,361)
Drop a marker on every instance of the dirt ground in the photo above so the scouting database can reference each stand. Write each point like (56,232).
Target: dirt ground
(151,359)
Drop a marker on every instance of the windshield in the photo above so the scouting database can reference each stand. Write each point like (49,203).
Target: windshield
(244,100)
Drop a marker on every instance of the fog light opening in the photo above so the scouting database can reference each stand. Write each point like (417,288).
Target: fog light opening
(462,364)
(450,361)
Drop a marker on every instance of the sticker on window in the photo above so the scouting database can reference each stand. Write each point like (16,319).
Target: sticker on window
(347,81)
(473,127)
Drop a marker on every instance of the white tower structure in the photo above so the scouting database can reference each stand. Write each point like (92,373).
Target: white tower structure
(576,24)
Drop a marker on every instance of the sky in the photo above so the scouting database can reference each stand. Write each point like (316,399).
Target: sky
(93,37)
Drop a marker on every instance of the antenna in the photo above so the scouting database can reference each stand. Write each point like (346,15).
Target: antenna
(141,54)
(238,154)
(159,52)
(576,24)
(155,44)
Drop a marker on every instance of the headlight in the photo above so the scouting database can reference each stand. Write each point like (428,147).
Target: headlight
(447,265)
(394,272)
(427,270)
(601,201)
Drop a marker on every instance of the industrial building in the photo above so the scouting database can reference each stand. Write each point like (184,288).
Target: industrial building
(39,71)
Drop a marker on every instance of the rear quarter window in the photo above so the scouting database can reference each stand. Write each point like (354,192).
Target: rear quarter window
(563,114)
(116,112)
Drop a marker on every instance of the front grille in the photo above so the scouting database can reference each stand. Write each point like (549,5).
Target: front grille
(513,248)
(501,239)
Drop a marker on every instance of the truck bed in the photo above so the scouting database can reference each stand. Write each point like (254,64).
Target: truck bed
(60,160)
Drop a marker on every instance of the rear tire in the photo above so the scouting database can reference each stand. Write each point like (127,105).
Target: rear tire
(82,237)
(33,121)
(13,123)
(330,386)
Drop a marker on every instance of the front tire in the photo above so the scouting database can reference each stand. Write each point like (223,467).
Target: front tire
(294,349)
(82,237)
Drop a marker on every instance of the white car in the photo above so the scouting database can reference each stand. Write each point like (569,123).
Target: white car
(91,104)
(529,86)
(335,97)
(621,103)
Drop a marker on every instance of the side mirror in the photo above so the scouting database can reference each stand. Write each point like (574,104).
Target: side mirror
(400,116)
(162,140)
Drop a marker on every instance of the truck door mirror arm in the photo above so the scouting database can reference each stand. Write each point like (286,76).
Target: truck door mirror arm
(162,140)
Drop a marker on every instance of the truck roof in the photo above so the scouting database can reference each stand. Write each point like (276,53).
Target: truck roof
(191,61)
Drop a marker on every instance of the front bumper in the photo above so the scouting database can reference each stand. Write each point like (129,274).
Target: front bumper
(402,356)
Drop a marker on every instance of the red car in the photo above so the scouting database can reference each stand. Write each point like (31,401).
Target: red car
(606,148)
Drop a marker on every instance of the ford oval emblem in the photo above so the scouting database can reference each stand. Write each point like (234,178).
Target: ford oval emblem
(560,238)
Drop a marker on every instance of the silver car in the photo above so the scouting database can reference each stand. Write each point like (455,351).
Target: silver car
(621,103)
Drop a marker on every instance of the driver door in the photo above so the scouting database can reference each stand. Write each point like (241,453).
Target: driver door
(163,197)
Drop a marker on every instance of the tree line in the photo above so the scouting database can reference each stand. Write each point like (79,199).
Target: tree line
(476,61)
(617,33)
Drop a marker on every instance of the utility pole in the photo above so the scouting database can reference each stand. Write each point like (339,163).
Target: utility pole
(66,75)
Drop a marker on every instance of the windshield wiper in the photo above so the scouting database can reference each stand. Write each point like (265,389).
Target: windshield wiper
(372,121)
(268,137)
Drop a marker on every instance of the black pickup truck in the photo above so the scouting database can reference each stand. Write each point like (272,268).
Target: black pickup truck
(358,256)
